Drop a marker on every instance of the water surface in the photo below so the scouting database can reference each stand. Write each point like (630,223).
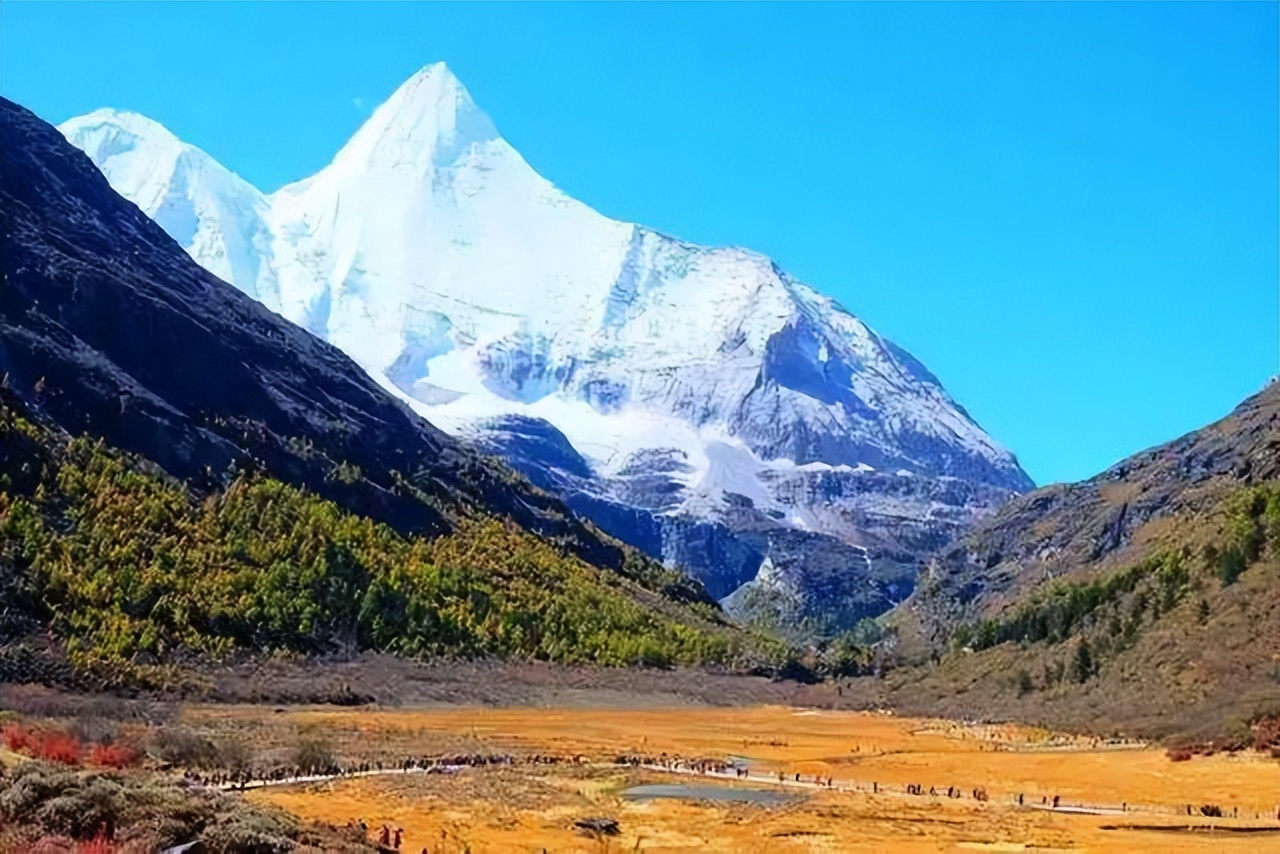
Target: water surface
(704,792)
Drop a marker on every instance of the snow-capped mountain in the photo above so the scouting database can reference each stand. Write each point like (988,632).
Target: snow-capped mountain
(697,401)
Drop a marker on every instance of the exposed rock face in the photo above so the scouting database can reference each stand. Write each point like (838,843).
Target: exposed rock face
(716,406)
(803,583)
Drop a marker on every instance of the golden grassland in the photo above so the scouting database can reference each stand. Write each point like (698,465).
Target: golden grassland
(532,808)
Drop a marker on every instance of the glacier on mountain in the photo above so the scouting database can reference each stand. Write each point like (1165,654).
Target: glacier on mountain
(698,402)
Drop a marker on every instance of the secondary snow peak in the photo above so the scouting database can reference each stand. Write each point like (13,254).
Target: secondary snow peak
(124,123)
(213,213)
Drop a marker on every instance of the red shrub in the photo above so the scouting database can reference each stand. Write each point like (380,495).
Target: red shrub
(100,844)
(16,738)
(56,747)
(53,745)
(112,755)
(1179,754)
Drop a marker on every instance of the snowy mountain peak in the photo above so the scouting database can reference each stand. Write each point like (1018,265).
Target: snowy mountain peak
(434,88)
(692,381)
(140,155)
(440,260)
(427,124)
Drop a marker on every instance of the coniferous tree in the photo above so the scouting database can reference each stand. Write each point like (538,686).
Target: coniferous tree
(1082,665)
(1231,564)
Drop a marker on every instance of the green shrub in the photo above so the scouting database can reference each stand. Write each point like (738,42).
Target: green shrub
(846,657)
(1231,564)
(313,755)
(149,812)
(250,832)
(182,746)
(1059,610)
(1082,663)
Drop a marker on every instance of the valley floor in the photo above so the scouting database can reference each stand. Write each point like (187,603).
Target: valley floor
(1136,796)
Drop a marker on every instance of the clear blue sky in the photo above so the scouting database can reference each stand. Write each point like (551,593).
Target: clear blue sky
(1067,211)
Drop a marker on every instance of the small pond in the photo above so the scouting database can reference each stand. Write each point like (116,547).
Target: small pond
(703,792)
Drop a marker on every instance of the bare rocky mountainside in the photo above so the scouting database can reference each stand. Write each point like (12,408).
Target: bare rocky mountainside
(1145,598)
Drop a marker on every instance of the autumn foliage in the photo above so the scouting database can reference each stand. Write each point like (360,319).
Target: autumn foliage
(137,566)
(51,745)
(14,738)
(57,746)
(112,755)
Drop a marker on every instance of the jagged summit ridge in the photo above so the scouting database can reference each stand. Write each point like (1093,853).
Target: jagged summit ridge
(456,275)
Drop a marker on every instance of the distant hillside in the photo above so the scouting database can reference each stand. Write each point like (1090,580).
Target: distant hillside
(1146,599)
(243,485)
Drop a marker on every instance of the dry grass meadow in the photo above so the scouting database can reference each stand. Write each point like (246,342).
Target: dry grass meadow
(531,808)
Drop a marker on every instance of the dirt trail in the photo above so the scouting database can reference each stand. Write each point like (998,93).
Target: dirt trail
(841,786)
